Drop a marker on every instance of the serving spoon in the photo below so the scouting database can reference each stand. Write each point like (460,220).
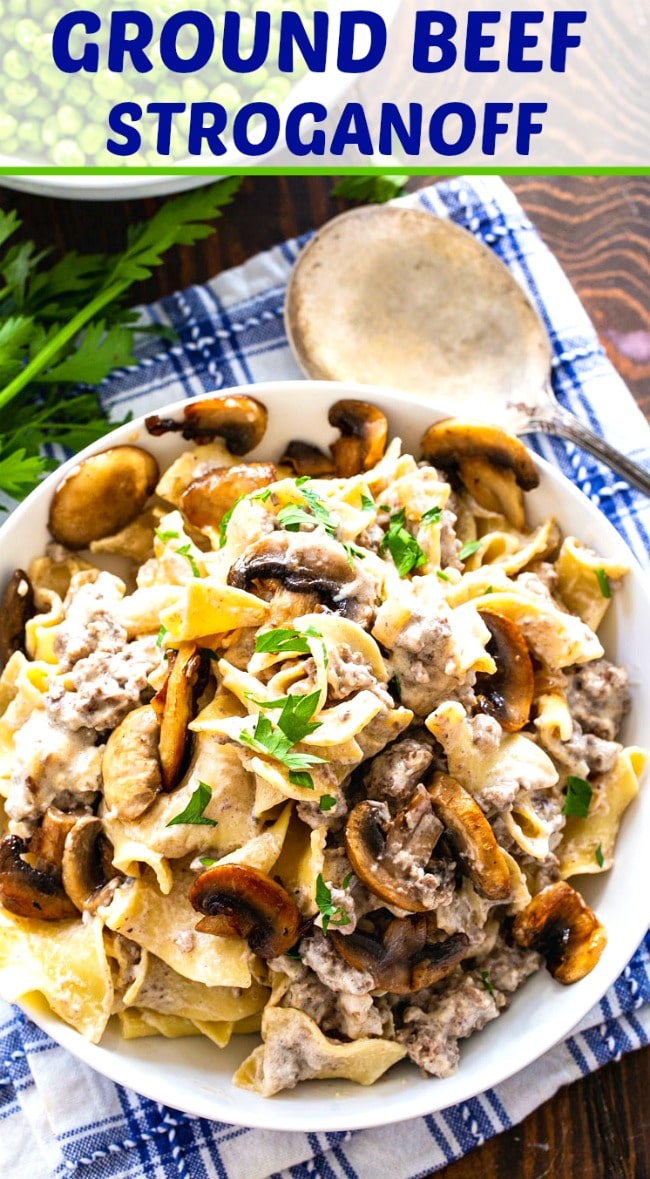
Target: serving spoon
(392,296)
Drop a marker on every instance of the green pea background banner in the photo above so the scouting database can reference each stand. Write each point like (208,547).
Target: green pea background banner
(308,84)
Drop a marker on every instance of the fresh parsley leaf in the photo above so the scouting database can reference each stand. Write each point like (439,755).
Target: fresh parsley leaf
(600,859)
(283,641)
(489,590)
(225,521)
(269,739)
(326,802)
(351,551)
(443,576)
(165,536)
(485,979)
(431,516)
(301,779)
(161,634)
(346,880)
(294,515)
(193,812)
(603,582)
(367,503)
(578,797)
(261,496)
(295,716)
(403,548)
(184,551)
(206,861)
(369,190)
(331,914)
(468,549)
(293,953)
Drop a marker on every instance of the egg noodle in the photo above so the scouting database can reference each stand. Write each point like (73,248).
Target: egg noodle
(317,766)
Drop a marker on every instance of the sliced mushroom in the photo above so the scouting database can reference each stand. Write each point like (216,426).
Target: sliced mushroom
(495,467)
(89,878)
(238,419)
(472,835)
(364,433)
(402,962)
(47,843)
(27,891)
(130,767)
(306,564)
(207,499)
(102,495)
(391,856)
(508,694)
(16,607)
(307,460)
(175,705)
(559,924)
(238,901)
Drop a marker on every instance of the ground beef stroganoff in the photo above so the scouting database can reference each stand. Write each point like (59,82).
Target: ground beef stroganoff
(321,761)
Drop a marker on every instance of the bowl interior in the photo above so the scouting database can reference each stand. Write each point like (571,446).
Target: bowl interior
(194,1075)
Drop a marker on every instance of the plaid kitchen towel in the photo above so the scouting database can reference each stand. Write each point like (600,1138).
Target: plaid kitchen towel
(60,1118)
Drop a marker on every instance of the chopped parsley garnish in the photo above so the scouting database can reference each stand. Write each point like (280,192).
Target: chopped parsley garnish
(295,718)
(262,495)
(603,582)
(161,634)
(385,508)
(441,575)
(207,861)
(301,778)
(403,548)
(269,739)
(367,503)
(193,812)
(292,516)
(600,859)
(293,953)
(578,797)
(184,551)
(489,590)
(165,536)
(207,651)
(331,914)
(431,516)
(225,521)
(468,549)
(352,551)
(485,979)
(283,641)
(326,802)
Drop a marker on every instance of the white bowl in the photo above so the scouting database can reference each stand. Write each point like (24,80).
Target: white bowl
(192,1074)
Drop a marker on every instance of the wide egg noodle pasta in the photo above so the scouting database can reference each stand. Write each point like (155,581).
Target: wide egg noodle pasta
(65,961)
(362,1061)
(587,844)
(160,988)
(149,840)
(578,584)
(166,925)
(557,638)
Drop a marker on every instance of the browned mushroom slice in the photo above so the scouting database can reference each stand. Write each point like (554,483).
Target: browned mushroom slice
(364,433)
(307,460)
(495,466)
(238,419)
(101,495)
(473,836)
(27,891)
(390,857)
(16,607)
(207,499)
(559,924)
(402,962)
(131,774)
(89,878)
(238,901)
(306,565)
(48,841)
(508,694)
(175,704)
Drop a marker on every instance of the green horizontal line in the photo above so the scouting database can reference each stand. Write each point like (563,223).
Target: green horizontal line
(330,170)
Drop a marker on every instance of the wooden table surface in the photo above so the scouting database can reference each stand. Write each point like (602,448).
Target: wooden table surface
(599,227)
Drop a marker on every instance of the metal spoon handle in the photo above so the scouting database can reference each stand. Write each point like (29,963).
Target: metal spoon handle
(562,424)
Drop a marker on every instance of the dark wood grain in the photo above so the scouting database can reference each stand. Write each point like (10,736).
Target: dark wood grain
(599,228)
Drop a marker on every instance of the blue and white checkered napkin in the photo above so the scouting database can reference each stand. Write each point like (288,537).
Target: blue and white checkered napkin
(59,1117)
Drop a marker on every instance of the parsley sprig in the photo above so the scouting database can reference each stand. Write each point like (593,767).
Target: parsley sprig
(312,511)
(193,812)
(279,740)
(65,323)
(284,641)
(403,548)
(332,914)
(578,797)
